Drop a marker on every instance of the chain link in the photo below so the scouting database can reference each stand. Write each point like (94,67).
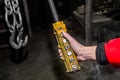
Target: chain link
(14,22)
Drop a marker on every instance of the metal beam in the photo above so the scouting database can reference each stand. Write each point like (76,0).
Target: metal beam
(88,22)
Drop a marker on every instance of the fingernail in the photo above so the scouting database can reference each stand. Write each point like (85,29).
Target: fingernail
(63,33)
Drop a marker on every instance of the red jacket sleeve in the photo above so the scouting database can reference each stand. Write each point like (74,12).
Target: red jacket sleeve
(112,51)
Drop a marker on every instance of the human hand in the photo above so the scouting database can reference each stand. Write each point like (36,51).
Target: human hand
(82,52)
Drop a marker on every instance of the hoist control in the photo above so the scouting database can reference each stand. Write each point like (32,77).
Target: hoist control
(69,57)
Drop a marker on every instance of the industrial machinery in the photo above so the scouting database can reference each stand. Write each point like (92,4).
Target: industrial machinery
(17,28)
(70,59)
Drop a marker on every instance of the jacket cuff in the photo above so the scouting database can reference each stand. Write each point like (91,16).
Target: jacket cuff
(100,54)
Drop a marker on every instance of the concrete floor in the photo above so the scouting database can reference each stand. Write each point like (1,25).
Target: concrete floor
(43,63)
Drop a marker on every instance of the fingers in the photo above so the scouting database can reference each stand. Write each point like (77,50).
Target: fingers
(60,54)
(81,58)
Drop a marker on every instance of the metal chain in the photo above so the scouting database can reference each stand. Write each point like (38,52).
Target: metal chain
(14,22)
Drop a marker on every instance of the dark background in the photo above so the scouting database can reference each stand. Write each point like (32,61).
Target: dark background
(40,13)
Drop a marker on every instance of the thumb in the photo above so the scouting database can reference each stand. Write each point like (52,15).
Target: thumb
(68,37)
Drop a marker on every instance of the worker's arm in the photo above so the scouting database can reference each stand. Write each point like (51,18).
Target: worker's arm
(112,52)
(104,53)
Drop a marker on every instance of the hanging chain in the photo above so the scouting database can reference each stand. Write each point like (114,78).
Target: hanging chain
(14,22)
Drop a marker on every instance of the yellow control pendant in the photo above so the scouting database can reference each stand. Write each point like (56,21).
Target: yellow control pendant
(70,59)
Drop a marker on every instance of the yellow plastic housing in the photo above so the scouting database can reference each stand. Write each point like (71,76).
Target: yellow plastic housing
(69,57)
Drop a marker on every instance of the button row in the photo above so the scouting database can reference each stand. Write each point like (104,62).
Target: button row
(69,53)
